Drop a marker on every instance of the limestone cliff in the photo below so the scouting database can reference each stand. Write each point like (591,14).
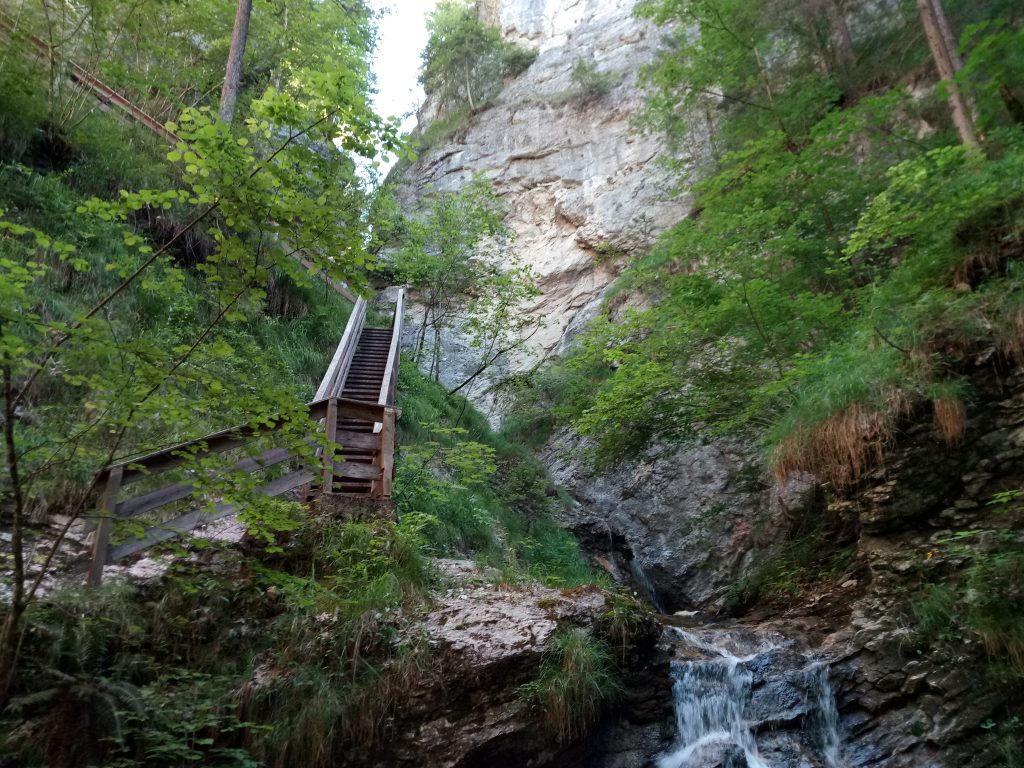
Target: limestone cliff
(582,186)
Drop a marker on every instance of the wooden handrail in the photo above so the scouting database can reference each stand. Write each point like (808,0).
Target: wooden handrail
(334,379)
(387,385)
(103,92)
(216,442)
(107,95)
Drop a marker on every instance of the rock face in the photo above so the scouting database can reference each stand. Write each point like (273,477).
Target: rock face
(490,641)
(900,707)
(897,705)
(581,185)
(681,523)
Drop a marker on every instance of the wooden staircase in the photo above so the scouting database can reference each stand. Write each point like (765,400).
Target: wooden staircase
(358,438)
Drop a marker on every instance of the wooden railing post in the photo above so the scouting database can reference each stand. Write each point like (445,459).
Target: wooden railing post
(101,536)
(328,456)
(387,452)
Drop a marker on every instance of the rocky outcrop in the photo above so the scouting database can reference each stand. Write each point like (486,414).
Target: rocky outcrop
(681,523)
(901,706)
(489,639)
(582,186)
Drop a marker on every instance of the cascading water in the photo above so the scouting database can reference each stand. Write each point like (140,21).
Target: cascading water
(825,716)
(643,581)
(708,697)
(718,712)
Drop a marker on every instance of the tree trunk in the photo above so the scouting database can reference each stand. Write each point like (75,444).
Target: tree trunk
(277,74)
(843,40)
(947,35)
(469,92)
(436,362)
(9,633)
(933,19)
(233,71)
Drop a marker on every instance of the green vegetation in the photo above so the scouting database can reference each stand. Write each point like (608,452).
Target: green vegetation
(588,84)
(165,57)
(577,676)
(780,572)
(455,253)
(1007,740)
(846,258)
(969,606)
(465,61)
(151,295)
(274,658)
(476,494)
(984,599)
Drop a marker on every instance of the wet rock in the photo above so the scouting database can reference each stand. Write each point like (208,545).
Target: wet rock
(684,517)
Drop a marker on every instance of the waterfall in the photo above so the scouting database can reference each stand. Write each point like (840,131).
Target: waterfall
(825,716)
(712,699)
(709,698)
(642,580)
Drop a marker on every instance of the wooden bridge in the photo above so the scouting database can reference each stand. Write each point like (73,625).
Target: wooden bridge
(354,408)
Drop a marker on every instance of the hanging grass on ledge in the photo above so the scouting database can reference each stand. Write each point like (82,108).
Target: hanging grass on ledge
(577,677)
(838,450)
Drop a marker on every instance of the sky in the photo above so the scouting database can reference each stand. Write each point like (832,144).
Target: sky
(401,37)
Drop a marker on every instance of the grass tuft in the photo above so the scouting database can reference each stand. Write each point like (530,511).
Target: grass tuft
(577,676)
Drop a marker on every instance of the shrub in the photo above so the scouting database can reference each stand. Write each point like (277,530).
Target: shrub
(478,494)
(590,84)
(996,605)
(465,61)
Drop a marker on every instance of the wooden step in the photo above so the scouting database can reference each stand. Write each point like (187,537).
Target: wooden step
(359,454)
(357,470)
(352,439)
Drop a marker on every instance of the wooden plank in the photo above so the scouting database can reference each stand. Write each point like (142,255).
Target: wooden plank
(359,409)
(188,522)
(364,440)
(218,442)
(346,469)
(385,397)
(101,536)
(147,502)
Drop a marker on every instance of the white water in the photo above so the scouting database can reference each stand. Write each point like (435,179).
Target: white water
(710,696)
(826,715)
(642,580)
